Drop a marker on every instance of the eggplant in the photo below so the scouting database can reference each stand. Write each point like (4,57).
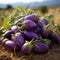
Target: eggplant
(19,21)
(37,30)
(14,29)
(19,40)
(7,34)
(41,24)
(54,37)
(29,25)
(45,33)
(31,35)
(27,48)
(32,17)
(10,45)
(41,47)
(45,21)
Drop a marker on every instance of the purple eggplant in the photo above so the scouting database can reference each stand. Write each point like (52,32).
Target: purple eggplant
(7,34)
(41,24)
(41,47)
(27,48)
(32,17)
(54,37)
(31,35)
(45,33)
(29,25)
(37,30)
(10,45)
(19,21)
(19,39)
(14,29)
(44,20)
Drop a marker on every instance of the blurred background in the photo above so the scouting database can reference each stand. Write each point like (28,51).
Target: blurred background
(45,7)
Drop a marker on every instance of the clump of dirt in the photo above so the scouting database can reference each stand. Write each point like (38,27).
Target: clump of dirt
(4,57)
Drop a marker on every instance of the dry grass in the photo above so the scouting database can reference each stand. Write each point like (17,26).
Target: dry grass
(56,13)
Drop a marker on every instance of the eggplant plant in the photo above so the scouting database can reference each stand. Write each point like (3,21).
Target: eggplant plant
(41,47)
(27,48)
(29,25)
(19,39)
(45,21)
(32,17)
(31,35)
(11,45)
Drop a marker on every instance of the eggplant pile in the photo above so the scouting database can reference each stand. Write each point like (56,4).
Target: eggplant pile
(29,34)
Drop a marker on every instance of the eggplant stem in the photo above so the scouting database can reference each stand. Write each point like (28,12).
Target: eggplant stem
(15,50)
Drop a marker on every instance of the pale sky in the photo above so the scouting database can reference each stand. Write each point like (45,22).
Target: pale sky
(14,1)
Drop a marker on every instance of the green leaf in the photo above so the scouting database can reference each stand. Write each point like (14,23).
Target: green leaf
(58,27)
(52,22)
(5,23)
(19,8)
(1,32)
(51,19)
(29,12)
(50,16)
(11,19)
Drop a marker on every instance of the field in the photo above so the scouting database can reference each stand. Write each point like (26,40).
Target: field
(54,52)
(54,11)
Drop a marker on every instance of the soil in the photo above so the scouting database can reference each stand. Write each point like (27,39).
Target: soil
(52,54)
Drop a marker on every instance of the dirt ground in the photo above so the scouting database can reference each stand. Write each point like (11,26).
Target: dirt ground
(53,54)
